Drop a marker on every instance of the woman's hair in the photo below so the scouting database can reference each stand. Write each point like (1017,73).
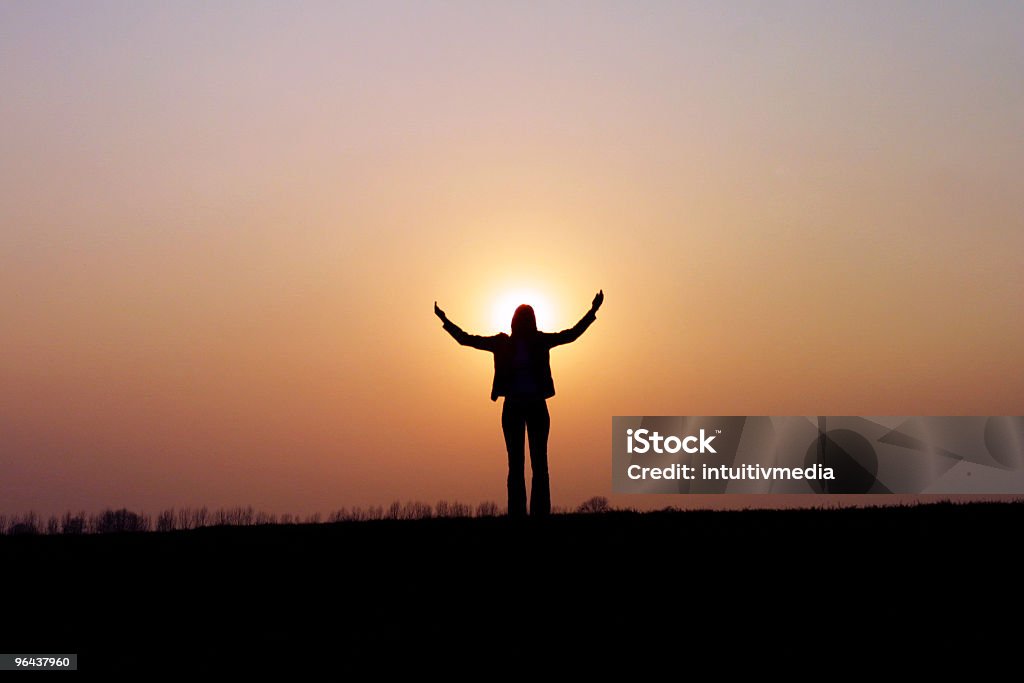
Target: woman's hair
(524,321)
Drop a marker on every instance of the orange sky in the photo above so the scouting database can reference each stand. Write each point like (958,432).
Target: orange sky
(223,228)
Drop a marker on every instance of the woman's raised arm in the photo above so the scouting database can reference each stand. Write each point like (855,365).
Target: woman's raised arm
(574,332)
(464,338)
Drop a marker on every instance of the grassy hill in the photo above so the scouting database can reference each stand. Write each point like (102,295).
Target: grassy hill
(441,593)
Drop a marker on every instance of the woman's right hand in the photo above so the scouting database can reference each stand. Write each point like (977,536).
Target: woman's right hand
(439,313)
(598,300)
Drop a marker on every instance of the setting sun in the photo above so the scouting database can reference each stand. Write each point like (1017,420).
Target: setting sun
(505,305)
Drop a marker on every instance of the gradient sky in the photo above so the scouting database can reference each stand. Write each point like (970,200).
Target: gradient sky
(223,227)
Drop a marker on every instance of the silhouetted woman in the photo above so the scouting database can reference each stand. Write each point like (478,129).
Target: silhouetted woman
(522,374)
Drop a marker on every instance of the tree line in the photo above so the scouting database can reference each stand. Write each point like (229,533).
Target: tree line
(185,518)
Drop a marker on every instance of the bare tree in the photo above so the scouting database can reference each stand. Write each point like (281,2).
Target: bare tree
(488,508)
(53,526)
(74,525)
(594,505)
(265,518)
(234,516)
(453,509)
(461,510)
(185,520)
(413,509)
(200,517)
(24,525)
(116,521)
(165,521)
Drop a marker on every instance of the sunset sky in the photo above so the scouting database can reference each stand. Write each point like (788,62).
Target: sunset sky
(223,227)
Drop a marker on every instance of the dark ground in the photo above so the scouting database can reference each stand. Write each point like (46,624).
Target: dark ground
(444,595)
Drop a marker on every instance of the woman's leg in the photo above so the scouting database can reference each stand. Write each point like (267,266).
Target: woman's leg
(538,422)
(513,424)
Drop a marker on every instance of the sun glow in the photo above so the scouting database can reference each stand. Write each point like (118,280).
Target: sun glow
(507,302)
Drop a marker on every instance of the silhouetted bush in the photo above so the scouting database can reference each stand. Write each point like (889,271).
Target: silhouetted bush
(236,516)
(25,525)
(184,518)
(595,504)
(73,525)
(418,510)
(200,518)
(265,518)
(488,508)
(453,509)
(53,526)
(117,521)
(166,520)
(410,510)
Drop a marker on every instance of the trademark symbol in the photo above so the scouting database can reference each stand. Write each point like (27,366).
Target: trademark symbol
(718,431)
